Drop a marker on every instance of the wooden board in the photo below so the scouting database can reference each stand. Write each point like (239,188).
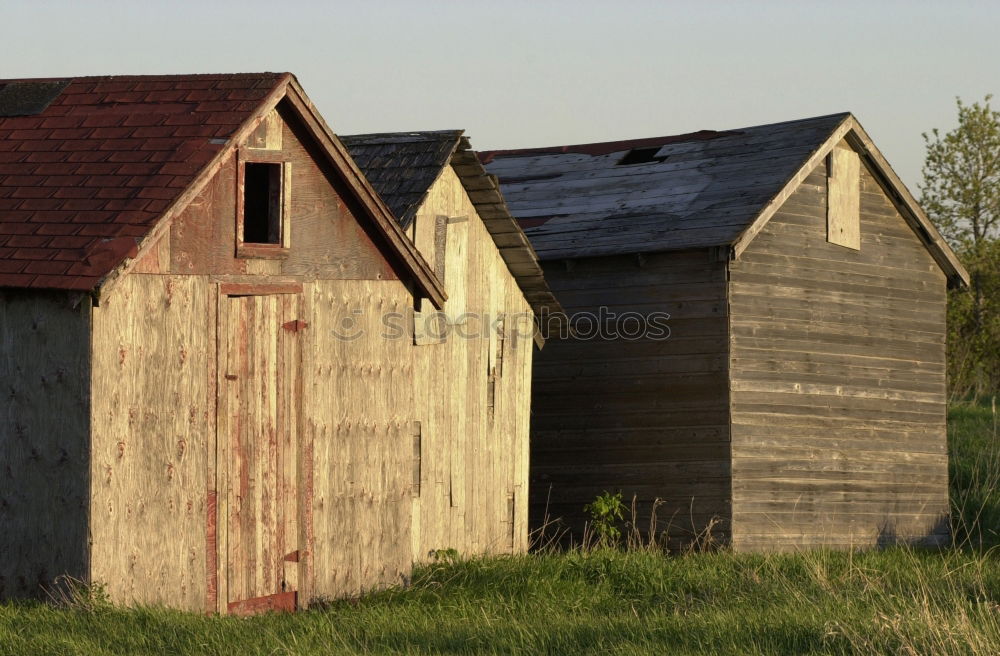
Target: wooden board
(153,428)
(332,239)
(259,363)
(358,428)
(844,199)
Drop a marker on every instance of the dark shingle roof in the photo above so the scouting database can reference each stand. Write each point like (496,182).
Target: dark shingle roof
(88,165)
(666,193)
(402,166)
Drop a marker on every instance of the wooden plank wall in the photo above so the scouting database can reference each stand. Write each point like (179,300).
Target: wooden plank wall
(44,475)
(644,417)
(472,391)
(358,392)
(153,428)
(154,345)
(838,388)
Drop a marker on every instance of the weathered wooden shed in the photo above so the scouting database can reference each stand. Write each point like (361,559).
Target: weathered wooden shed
(453,212)
(212,395)
(799,398)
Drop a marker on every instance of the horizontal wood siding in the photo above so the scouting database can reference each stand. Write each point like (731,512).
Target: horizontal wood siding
(838,389)
(44,439)
(644,417)
(153,427)
(472,389)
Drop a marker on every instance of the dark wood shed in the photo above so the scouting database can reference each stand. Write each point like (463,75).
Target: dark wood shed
(213,393)
(799,399)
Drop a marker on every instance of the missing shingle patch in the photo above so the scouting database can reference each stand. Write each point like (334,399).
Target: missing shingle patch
(29,98)
(642,156)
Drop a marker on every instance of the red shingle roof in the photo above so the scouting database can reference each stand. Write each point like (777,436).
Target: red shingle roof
(84,180)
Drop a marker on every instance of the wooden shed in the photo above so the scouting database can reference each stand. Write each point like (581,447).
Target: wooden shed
(453,212)
(213,396)
(798,398)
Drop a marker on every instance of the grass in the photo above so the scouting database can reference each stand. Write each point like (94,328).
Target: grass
(897,601)
(974,450)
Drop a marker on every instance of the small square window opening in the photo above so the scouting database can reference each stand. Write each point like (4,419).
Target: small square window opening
(262,203)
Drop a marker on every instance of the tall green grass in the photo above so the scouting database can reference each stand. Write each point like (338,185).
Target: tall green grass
(599,602)
(974,473)
(602,601)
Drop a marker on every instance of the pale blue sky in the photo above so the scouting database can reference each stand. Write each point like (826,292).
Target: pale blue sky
(518,73)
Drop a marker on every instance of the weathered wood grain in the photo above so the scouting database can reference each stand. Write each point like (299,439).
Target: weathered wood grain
(332,239)
(260,395)
(837,361)
(474,455)
(357,411)
(153,423)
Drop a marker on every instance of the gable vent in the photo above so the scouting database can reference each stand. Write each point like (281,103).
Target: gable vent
(642,156)
(29,98)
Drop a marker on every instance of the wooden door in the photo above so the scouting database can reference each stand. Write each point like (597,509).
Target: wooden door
(259,400)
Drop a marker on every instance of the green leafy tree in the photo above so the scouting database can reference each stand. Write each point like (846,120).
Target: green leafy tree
(961,194)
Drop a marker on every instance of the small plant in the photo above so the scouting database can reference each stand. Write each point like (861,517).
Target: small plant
(605,511)
(448,556)
(74,593)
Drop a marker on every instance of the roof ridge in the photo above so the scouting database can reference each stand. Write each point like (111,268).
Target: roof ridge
(605,146)
(403,136)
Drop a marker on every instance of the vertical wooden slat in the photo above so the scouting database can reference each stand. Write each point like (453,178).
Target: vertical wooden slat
(844,197)
(304,453)
(286,205)
(440,246)
(417,457)
(263,402)
(226,415)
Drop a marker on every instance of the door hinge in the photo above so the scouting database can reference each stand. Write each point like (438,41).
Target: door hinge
(295,326)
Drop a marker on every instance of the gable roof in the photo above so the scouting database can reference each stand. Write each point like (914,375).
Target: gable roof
(703,189)
(93,168)
(403,166)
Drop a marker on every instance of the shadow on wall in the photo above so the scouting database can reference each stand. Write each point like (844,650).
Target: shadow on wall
(643,524)
(939,535)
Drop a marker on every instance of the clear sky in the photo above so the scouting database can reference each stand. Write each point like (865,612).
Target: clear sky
(516,73)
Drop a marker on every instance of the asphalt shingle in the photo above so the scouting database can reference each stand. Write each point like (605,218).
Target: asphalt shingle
(85,177)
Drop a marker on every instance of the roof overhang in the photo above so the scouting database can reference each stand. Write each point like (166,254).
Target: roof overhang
(514,247)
